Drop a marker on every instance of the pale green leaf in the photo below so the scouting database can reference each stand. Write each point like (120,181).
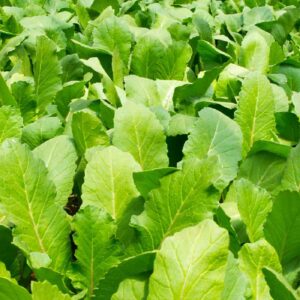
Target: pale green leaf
(28,198)
(11,123)
(41,130)
(235,282)
(181,124)
(253,258)
(97,249)
(184,198)
(191,264)
(113,35)
(11,291)
(291,175)
(138,131)
(255,51)
(155,56)
(46,291)
(132,289)
(214,134)
(109,184)
(88,131)
(4,273)
(254,204)
(47,71)
(283,225)
(59,156)
(255,112)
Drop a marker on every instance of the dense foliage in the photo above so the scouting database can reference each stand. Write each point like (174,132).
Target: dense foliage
(149,149)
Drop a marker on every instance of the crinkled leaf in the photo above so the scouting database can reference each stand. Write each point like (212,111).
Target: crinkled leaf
(133,289)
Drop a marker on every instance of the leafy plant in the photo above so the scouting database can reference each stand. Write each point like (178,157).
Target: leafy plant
(149,149)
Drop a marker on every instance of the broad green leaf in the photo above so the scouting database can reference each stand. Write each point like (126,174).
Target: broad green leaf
(47,71)
(138,132)
(191,263)
(255,112)
(97,249)
(235,282)
(255,51)
(181,124)
(12,291)
(27,196)
(109,184)
(46,291)
(184,199)
(133,289)
(264,169)
(291,175)
(281,228)
(88,131)
(146,181)
(254,204)
(130,267)
(11,123)
(142,90)
(59,156)
(279,287)
(41,130)
(113,35)
(214,134)
(280,98)
(253,258)
(155,56)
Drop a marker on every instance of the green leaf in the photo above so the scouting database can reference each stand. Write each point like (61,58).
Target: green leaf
(155,56)
(146,181)
(191,263)
(97,249)
(109,184)
(46,291)
(130,267)
(279,287)
(281,228)
(264,169)
(6,97)
(4,273)
(11,123)
(8,251)
(235,282)
(255,112)
(214,134)
(133,289)
(253,258)
(291,175)
(254,204)
(27,196)
(47,71)
(41,130)
(113,35)
(255,51)
(88,131)
(12,291)
(138,132)
(175,204)
(59,156)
